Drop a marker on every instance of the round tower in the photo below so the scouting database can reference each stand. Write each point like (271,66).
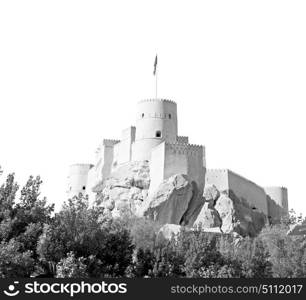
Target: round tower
(77,179)
(277,198)
(279,194)
(156,122)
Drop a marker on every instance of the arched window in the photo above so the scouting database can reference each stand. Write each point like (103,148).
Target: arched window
(169,116)
(158,134)
(142,115)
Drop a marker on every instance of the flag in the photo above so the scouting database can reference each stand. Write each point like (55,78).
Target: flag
(155,65)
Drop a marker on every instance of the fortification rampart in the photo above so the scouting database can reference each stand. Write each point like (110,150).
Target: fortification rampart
(248,190)
(110,142)
(123,149)
(218,177)
(244,189)
(157,100)
(181,158)
(168,159)
(182,139)
(279,194)
(182,148)
(104,160)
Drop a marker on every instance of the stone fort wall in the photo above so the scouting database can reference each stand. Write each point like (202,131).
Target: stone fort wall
(277,202)
(244,189)
(168,159)
(123,149)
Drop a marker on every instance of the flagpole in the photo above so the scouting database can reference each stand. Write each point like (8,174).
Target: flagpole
(156,85)
(155,74)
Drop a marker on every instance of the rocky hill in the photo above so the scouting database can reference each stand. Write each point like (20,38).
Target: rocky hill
(176,202)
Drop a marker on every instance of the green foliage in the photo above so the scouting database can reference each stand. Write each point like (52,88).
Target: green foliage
(13,262)
(83,241)
(8,192)
(168,263)
(288,253)
(212,271)
(143,232)
(71,267)
(104,242)
(21,224)
(145,261)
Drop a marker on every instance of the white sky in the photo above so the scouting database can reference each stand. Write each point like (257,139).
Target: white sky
(71,73)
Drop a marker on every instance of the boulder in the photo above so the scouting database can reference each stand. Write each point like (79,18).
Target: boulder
(194,207)
(211,194)
(125,190)
(237,216)
(170,201)
(208,217)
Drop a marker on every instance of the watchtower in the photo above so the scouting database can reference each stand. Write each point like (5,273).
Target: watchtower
(156,122)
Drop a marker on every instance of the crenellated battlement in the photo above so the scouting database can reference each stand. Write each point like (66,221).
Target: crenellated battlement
(183,148)
(182,139)
(276,187)
(157,100)
(110,142)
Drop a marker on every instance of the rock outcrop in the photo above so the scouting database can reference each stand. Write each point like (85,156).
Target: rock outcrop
(211,194)
(176,201)
(170,201)
(126,189)
(208,217)
(237,216)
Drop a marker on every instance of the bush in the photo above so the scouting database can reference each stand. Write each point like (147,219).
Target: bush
(14,263)
(105,243)
(71,267)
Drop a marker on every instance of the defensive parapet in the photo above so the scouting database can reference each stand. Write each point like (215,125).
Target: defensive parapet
(183,148)
(182,139)
(157,100)
(100,151)
(110,142)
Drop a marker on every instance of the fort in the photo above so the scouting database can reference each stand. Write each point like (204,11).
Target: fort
(155,139)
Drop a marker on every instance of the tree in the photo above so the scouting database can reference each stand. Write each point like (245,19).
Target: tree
(8,192)
(168,263)
(13,262)
(144,264)
(21,224)
(104,242)
(287,253)
(71,267)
